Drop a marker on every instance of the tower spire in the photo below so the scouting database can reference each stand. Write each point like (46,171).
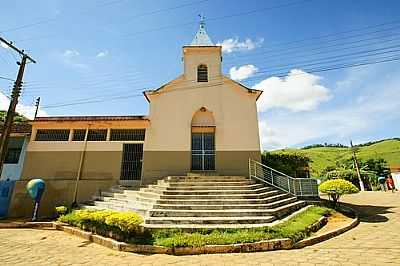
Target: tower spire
(201,38)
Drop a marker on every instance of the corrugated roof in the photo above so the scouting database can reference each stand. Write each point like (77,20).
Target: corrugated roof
(23,128)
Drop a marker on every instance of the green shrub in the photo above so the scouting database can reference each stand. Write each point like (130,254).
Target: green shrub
(125,221)
(61,210)
(335,188)
(103,221)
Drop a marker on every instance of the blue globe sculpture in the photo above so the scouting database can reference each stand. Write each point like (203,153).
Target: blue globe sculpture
(35,188)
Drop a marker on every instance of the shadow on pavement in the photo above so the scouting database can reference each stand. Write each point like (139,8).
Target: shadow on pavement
(370,213)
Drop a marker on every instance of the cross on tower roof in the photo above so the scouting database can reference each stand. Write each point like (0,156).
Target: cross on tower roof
(201,38)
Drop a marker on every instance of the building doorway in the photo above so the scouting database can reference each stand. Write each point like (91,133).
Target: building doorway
(203,141)
(132,157)
(203,151)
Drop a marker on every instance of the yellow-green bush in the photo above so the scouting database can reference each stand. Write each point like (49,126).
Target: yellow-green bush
(60,210)
(335,188)
(103,220)
(125,221)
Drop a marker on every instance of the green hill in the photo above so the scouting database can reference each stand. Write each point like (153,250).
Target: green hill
(328,156)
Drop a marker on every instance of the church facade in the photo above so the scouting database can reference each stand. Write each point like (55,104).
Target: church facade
(202,121)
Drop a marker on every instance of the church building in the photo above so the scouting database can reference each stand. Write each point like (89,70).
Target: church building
(202,121)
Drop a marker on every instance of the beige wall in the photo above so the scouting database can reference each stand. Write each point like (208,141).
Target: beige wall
(234,110)
(172,108)
(65,164)
(57,192)
(195,56)
(60,159)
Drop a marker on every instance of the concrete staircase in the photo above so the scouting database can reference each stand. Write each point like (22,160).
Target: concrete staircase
(202,202)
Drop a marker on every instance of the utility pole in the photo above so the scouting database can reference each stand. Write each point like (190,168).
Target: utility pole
(37,103)
(357,167)
(5,134)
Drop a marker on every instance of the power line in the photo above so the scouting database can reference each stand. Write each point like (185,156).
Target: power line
(337,33)
(5,78)
(338,57)
(293,3)
(327,42)
(282,74)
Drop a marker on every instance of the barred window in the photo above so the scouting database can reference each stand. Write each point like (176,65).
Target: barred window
(12,156)
(79,135)
(14,149)
(97,135)
(202,73)
(52,135)
(127,134)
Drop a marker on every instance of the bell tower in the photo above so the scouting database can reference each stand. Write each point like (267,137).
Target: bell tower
(202,59)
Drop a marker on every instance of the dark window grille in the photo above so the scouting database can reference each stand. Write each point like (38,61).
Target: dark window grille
(97,135)
(132,157)
(12,156)
(127,134)
(52,135)
(202,73)
(79,135)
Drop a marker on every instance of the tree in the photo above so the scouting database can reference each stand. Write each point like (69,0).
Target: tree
(335,188)
(286,163)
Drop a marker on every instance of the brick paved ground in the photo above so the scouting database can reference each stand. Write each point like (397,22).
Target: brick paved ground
(376,241)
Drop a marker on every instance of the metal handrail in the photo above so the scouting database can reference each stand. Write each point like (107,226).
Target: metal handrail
(299,187)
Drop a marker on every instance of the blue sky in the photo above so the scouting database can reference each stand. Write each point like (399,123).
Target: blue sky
(109,51)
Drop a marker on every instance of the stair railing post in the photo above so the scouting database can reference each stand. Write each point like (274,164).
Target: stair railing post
(272,177)
(288,182)
(301,189)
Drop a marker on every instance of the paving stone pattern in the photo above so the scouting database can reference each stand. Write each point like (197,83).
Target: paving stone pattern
(376,241)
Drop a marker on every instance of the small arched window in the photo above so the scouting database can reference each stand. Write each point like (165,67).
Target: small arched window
(202,73)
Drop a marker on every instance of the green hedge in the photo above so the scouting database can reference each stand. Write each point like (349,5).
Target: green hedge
(116,224)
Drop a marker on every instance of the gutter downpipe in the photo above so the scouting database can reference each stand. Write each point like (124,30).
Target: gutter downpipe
(79,173)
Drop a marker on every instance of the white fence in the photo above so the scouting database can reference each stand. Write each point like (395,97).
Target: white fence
(299,187)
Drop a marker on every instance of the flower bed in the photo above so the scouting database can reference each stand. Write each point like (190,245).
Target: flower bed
(125,226)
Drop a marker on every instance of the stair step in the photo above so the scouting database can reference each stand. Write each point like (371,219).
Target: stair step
(190,227)
(206,178)
(224,206)
(220,187)
(211,213)
(220,201)
(210,220)
(216,192)
(216,196)
(206,183)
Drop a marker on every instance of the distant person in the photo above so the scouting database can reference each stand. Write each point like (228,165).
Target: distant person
(382,181)
(390,183)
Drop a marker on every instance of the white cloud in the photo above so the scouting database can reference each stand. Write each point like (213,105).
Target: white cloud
(72,58)
(243,72)
(102,54)
(234,45)
(71,53)
(348,119)
(298,91)
(25,110)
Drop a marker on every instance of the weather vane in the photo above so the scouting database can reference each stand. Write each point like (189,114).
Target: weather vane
(202,20)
